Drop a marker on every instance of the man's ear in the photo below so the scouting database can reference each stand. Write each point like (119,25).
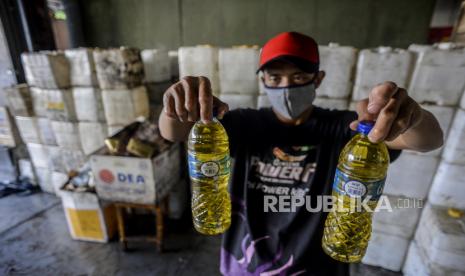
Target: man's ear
(261,75)
(319,78)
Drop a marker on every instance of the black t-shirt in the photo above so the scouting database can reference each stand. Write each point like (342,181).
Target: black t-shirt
(271,159)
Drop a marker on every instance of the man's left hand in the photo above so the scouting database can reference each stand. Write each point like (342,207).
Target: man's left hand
(392,109)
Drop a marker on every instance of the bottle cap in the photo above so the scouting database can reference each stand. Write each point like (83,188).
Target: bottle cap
(365,127)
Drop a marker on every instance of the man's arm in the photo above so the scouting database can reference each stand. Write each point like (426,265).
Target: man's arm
(400,121)
(426,136)
(184,103)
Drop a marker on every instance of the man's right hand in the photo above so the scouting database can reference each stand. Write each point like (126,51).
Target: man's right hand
(191,99)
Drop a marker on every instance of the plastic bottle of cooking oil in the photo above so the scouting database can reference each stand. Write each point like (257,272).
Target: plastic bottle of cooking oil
(360,177)
(209,170)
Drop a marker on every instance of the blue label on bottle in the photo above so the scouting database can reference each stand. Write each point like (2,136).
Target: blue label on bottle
(210,168)
(345,185)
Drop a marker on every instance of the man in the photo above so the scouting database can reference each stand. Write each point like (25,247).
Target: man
(290,149)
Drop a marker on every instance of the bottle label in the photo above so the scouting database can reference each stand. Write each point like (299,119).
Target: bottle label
(211,168)
(347,186)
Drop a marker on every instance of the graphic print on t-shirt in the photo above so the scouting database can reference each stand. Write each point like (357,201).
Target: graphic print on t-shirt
(283,171)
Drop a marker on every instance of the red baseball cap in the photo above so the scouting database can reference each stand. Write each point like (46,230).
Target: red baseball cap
(293,47)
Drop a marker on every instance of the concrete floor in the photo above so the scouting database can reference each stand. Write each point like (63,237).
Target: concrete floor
(34,240)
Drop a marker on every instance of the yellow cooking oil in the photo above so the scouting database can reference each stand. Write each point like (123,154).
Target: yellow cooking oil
(209,171)
(359,177)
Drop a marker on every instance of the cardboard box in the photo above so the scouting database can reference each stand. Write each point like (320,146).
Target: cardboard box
(88,218)
(133,179)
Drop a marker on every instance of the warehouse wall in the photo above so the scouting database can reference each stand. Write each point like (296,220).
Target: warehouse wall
(171,23)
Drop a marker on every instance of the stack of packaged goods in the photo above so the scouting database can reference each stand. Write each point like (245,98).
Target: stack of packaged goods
(120,74)
(19,102)
(338,62)
(10,145)
(439,244)
(136,155)
(410,177)
(200,60)
(238,76)
(50,128)
(158,76)
(90,129)
(391,229)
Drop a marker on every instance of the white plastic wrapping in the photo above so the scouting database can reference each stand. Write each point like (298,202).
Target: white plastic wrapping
(92,136)
(157,65)
(28,129)
(448,187)
(39,155)
(47,137)
(118,68)
(454,149)
(26,170)
(444,115)
(44,177)
(403,219)
(39,101)
(381,64)
(417,263)
(60,105)
(88,104)
(439,75)
(238,70)
(386,251)
(67,134)
(200,61)
(19,100)
(55,159)
(331,103)
(123,106)
(73,159)
(82,67)
(47,69)
(338,62)
(442,238)
(58,181)
(9,135)
(411,175)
